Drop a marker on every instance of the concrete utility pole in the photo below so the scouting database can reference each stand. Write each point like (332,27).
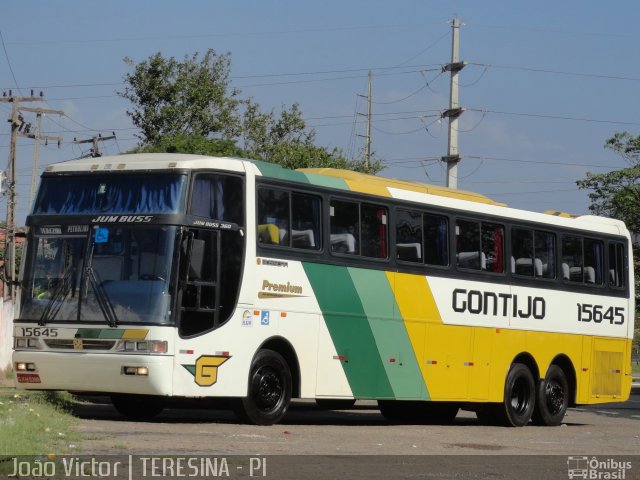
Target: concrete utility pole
(452,158)
(95,151)
(19,128)
(367,151)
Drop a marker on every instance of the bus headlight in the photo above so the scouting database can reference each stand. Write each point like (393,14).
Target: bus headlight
(143,346)
(141,371)
(25,367)
(26,342)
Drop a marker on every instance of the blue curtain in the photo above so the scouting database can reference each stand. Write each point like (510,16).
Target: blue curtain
(113,194)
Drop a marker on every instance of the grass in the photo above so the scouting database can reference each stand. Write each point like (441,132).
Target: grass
(36,423)
(635,368)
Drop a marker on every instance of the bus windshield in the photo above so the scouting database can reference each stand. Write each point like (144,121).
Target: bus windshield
(109,193)
(114,274)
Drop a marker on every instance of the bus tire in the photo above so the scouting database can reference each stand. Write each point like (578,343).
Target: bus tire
(335,403)
(552,398)
(142,408)
(519,398)
(269,390)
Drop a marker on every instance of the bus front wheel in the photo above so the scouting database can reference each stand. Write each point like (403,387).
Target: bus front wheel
(552,398)
(269,390)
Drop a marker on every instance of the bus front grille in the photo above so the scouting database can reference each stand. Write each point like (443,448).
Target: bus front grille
(87,344)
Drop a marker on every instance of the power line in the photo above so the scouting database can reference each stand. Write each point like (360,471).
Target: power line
(559,163)
(223,34)
(557,72)
(4,47)
(555,117)
(382,70)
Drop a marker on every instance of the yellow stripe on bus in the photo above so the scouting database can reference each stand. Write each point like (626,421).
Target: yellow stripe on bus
(135,334)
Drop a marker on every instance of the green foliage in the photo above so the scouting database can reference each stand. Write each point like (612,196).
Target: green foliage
(617,194)
(189,107)
(194,144)
(189,97)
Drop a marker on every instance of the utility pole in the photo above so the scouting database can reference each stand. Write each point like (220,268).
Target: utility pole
(35,164)
(95,150)
(452,158)
(19,128)
(367,136)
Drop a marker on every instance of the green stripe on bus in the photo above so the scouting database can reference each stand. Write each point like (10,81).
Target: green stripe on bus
(349,330)
(89,332)
(326,181)
(394,346)
(276,171)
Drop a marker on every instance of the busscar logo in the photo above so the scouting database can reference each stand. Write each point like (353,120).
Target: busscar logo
(597,469)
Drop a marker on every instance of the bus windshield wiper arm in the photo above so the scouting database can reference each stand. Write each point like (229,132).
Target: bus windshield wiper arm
(57,299)
(104,302)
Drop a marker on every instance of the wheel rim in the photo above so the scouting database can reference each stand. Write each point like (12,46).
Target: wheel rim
(268,388)
(520,396)
(555,397)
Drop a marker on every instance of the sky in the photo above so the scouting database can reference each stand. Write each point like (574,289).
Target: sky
(546,84)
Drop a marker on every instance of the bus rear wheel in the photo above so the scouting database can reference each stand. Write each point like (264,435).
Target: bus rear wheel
(138,407)
(269,390)
(552,398)
(519,398)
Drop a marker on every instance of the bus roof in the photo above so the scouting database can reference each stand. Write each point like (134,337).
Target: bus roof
(330,177)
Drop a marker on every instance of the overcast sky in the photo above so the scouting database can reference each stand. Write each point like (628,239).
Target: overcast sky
(547,82)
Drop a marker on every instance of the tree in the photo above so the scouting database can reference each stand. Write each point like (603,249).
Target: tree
(617,194)
(180,98)
(196,144)
(189,107)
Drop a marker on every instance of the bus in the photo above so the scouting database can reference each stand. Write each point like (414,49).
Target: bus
(156,278)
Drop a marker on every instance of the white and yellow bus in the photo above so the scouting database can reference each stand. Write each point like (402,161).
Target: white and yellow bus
(161,277)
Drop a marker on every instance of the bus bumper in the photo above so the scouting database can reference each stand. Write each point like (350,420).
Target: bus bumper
(94,372)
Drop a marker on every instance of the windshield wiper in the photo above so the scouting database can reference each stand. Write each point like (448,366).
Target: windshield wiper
(57,299)
(104,302)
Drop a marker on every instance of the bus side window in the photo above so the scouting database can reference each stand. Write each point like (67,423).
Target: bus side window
(616,265)
(545,254)
(373,231)
(468,253)
(345,231)
(273,216)
(593,261)
(436,240)
(219,197)
(305,221)
(582,260)
(409,236)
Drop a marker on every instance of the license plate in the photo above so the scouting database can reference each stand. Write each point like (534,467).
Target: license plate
(28,378)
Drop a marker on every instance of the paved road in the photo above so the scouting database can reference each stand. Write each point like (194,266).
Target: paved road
(612,429)
(361,444)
